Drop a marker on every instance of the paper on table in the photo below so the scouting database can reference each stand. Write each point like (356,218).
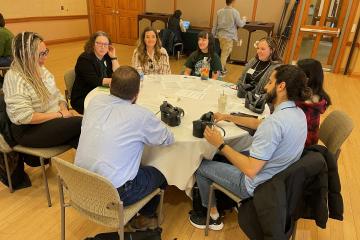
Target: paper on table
(191,94)
(170,85)
(194,86)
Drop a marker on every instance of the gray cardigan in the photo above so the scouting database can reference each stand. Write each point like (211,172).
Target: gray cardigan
(265,77)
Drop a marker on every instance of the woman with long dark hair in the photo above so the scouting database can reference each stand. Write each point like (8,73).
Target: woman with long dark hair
(319,100)
(175,24)
(150,57)
(205,50)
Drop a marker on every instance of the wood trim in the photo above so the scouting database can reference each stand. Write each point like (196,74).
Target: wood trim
(253,16)
(212,13)
(340,24)
(355,74)
(357,45)
(43,19)
(66,40)
(354,8)
(293,33)
(175,4)
(90,11)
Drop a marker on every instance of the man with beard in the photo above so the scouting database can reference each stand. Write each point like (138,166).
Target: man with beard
(278,143)
(113,134)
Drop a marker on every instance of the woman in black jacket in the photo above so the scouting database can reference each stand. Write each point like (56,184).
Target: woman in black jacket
(94,68)
(175,24)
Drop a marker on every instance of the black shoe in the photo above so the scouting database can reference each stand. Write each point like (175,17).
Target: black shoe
(199,221)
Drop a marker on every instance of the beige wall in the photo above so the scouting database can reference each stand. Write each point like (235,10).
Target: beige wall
(199,11)
(160,6)
(53,30)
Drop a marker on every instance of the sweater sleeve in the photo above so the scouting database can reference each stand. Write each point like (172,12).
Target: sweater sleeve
(18,102)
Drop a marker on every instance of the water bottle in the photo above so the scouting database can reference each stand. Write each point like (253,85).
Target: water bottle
(205,69)
(141,78)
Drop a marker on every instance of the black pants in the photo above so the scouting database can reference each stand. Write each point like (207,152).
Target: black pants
(52,133)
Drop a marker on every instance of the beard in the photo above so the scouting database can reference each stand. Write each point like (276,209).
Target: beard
(270,96)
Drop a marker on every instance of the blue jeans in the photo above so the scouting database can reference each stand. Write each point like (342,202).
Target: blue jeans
(146,181)
(221,173)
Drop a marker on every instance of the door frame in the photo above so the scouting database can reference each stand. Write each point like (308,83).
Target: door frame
(343,40)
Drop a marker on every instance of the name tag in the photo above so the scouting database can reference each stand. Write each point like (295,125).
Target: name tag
(250,71)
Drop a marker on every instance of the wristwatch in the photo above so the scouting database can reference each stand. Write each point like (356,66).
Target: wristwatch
(221,147)
(113,58)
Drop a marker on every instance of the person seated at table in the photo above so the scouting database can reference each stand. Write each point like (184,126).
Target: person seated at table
(258,70)
(93,68)
(319,100)
(204,51)
(5,44)
(35,106)
(277,143)
(150,57)
(175,24)
(114,132)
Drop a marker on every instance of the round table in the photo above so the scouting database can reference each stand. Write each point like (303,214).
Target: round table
(179,161)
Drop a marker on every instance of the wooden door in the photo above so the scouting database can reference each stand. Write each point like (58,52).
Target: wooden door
(104,17)
(127,13)
(321,25)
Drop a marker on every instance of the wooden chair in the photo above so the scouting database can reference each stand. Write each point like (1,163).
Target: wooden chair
(96,198)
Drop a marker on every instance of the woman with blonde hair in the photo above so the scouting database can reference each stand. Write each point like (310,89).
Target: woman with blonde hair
(35,106)
(150,57)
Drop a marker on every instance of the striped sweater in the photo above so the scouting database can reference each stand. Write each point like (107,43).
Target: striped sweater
(22,101)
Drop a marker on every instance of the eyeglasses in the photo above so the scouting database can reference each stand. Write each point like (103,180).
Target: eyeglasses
(100,44)
(44,53)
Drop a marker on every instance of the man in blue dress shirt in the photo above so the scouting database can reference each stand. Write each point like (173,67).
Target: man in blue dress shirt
(278,142)
(113,135)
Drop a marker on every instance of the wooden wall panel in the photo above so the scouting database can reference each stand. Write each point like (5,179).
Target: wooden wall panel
(160,6)
(198,13)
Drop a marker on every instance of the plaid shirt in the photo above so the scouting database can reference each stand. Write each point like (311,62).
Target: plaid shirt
(312,112)
(152,66)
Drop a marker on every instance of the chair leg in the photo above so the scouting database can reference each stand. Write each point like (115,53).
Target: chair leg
(47,192)
(121,235)
(208,210)
(8,173)
(121,221)
(62,208)
(160,208)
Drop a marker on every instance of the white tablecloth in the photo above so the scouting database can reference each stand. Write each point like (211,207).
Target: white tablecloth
(179,161)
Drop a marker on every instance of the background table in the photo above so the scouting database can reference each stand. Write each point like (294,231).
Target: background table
(179,161)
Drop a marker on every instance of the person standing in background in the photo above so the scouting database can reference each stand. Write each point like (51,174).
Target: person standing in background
(5,44)
(225,29)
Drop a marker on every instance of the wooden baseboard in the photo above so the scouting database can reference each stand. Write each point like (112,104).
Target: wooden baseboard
(66,40)
(355,75)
